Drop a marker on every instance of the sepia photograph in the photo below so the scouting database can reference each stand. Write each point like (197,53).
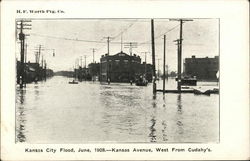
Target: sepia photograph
(117,80)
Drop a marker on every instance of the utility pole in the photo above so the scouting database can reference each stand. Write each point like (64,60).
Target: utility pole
(167,71)
(93,50)
(39,53)
(145,67)
(45,70)
(85,67)
(22,39)
(22,52)
(36,55)
(108,41)
(25,64)
(158,72)
(178,66)
(121,43)
(80,70)
(145,70)
(42,61)
(77,66)
(153,54)
(164,61)
(81,61)
(25,56)
(130,45)
(179,49)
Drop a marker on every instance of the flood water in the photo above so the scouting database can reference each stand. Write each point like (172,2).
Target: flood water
(89,112)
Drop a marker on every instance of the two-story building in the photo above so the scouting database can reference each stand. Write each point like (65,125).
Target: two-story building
(203,68)
(120,67)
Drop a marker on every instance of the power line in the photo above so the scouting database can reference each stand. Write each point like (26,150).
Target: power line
(125,30)
(101,42)
(146,42)
(130,45)
(70,39)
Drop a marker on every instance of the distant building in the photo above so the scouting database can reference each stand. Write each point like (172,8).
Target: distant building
(32,72)
(122,67)
(94,70)
(82,73)
(202,68)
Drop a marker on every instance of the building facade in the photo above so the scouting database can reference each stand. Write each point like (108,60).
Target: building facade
(203,68)
(32,72)
(121,67)
(94,70)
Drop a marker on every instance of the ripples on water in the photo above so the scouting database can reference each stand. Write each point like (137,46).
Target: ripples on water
(58,112)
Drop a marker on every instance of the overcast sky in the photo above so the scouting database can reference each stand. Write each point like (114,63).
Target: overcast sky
(73,38)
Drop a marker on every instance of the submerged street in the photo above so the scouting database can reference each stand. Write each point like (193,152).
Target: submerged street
(54,111)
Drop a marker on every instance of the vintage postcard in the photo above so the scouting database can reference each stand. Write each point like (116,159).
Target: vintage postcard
(127,80)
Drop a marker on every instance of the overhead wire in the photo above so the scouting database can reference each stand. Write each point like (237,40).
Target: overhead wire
(146,42)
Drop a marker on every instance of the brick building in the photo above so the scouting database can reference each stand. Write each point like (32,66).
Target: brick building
(122,67)
(203,68)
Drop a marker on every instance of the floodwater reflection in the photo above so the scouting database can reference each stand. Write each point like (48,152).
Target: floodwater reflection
(20,113)
(57,112)
(152,134)
(179,115)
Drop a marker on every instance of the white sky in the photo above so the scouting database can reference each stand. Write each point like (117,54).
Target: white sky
(201,38)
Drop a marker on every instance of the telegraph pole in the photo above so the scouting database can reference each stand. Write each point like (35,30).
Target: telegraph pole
(39,53)
(25,64)
(42,61)
(145,67)
(25,56)
(178,66)
(108,41)
(93,50)
(121,42)
(85,67)
(77,66)
(22,52)
(145,64)
(131,45)
(164,61)
(179,50)
(153,54)
(158,72)
(167,71)
(45,68)
(81,61)
(22,38)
